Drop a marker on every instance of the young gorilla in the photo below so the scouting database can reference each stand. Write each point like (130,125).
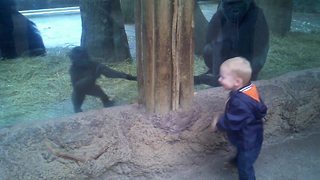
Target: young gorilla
(84,74)
(238,28)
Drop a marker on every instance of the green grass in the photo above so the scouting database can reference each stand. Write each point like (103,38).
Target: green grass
(39,88)
(294,52)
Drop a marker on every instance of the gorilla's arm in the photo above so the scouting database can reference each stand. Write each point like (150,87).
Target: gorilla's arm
(260,43)
(110,73)
(214,26)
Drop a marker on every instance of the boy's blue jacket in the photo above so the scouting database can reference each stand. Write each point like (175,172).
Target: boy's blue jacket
(242,119)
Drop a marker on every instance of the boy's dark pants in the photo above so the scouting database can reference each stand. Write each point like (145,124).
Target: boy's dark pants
(245,161)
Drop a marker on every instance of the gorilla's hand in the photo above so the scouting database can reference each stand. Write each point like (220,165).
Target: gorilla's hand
(99,70)
(131,78)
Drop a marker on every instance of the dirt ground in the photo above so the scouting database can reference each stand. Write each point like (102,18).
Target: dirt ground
(295,158)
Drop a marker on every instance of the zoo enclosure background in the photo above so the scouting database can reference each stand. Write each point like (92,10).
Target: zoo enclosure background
(307,6)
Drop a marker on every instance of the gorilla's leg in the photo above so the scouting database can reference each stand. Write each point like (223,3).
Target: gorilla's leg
(77,100)
(254,76)
(110,73)
(36,45)
(257,64)
(211,76)
(255,73)
(96,91)
(221,52)
(207,77)
(207,56)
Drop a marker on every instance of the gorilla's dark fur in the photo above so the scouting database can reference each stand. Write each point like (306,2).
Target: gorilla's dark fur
(84,74)
(18,35)
(238,28)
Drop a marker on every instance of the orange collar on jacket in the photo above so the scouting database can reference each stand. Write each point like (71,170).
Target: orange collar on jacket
(251,91)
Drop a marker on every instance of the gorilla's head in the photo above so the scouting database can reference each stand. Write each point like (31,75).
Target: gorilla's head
(79,56)
(235,10)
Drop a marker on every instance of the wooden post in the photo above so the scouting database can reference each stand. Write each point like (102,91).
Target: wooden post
(165,50)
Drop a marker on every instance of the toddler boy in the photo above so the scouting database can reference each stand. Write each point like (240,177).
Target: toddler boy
(242,119)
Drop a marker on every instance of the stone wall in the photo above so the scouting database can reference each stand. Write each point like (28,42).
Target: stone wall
(126,143)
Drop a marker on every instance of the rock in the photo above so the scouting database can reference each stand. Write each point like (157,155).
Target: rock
(127,143)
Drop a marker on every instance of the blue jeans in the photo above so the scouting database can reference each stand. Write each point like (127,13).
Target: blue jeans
(245,161)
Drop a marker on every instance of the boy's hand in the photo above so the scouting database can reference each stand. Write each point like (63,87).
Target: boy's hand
(214,122)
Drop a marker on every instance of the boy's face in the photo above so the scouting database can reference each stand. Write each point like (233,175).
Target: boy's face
(228,79)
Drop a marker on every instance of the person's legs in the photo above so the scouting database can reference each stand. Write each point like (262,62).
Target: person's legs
(245,160)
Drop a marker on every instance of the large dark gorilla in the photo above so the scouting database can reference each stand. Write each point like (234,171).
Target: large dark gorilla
(18,35)
(84,74)
(238,28)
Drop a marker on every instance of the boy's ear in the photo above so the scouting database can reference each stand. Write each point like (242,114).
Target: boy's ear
(239,81)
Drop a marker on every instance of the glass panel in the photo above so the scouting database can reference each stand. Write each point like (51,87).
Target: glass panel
(36,85)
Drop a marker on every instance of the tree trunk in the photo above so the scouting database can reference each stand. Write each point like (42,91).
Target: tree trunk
(200,20)
(278,14)
(200,30)
(164,31)
(103,33)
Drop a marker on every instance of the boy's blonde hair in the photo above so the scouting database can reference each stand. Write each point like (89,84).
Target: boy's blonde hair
(240,67)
